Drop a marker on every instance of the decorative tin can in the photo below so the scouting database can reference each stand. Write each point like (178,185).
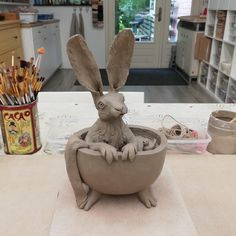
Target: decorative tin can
(20,128)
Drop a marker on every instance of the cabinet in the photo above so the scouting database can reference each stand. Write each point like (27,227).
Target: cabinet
(45,35)
(188,29)
(218,76)
(10,41)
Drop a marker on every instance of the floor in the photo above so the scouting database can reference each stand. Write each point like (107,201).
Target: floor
(63,80)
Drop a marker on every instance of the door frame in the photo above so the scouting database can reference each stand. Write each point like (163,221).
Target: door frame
(162,31)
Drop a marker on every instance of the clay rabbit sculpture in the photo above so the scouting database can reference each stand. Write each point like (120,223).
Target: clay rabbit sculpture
(109,134)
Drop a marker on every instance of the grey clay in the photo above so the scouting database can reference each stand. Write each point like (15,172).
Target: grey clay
(110,157)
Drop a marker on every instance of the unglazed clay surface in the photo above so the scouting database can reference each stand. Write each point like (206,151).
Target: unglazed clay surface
(109,157)
(222,129)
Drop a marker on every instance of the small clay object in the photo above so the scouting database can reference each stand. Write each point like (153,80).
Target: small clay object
(110,143)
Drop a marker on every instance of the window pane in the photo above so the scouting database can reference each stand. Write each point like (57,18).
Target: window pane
(137,15)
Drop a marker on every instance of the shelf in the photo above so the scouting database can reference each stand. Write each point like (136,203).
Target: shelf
(224,73)
(63,5)
(229,42)
(218,39)
(214,66)
(234,79)
(211,37)
(14,4)
(206,62)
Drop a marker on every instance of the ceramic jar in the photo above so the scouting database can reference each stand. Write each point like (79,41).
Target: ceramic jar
(222,132)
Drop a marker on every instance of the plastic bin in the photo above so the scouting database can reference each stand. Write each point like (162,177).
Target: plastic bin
(189,146)
(45,17)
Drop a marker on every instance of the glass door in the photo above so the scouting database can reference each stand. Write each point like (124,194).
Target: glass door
(145,19)
(137,15)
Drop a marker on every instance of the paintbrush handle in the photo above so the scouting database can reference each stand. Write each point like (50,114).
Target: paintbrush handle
(233,120)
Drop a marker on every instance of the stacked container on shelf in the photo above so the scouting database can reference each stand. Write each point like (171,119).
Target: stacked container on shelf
(222,86)
(231,95)
(212,80)
(204,73)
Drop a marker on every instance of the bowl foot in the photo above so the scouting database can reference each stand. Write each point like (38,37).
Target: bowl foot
(93,197)
(147,198)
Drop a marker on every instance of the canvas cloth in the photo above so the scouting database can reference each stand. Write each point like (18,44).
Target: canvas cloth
(77,26)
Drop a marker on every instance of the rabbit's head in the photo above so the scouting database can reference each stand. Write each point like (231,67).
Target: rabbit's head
(110,105)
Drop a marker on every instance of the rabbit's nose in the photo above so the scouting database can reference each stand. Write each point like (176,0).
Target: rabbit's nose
(118,109)
(123,110)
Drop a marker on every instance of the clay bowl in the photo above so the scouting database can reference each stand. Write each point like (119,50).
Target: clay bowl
(222,132)
(123,177)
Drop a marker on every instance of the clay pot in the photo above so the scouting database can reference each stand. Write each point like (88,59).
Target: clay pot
(222,132)
(123,177)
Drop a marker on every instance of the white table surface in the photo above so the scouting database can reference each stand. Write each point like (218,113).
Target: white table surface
(29,185)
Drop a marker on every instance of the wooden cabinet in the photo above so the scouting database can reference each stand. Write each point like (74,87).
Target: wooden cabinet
(10,41)
(45,35)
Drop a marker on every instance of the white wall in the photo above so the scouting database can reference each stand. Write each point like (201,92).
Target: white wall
(197,6)
(95,38)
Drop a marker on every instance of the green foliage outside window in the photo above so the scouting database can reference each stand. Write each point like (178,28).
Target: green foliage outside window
(126,11)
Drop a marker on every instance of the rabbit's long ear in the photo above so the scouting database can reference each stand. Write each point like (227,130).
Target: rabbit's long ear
(84,65)
(120,59)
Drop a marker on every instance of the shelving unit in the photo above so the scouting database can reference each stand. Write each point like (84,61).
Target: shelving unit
(21,3)
(218,76)
(60,3)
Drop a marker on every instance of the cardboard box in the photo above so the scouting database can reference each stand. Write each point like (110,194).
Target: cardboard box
(10,16)
(202,47)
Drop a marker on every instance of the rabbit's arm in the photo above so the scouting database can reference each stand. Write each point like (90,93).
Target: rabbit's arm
(107,151)
(130,149)
(74,143)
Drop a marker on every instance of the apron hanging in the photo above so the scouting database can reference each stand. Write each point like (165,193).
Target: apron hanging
(74,27)
(97,13)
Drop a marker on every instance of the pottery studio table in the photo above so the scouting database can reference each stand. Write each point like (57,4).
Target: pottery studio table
(30,185)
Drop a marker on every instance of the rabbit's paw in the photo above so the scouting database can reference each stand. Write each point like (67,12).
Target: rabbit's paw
(108,152)
(147,198)
(92,198)
(76,143)
(129,152)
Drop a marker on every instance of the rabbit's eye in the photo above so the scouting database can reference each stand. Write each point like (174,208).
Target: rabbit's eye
(101,105)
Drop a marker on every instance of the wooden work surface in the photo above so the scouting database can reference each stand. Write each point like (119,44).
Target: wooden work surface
(9,22)
(30,185)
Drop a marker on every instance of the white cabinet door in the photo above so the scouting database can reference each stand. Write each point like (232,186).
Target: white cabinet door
(47,36)
(45,65)
(58,48)
(55,46)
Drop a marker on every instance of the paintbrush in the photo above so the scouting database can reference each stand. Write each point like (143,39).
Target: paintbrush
(233,120)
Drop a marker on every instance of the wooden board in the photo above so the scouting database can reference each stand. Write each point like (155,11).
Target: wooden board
(125,216)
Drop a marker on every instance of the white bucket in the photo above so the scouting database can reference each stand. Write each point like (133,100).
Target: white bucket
(26,17)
